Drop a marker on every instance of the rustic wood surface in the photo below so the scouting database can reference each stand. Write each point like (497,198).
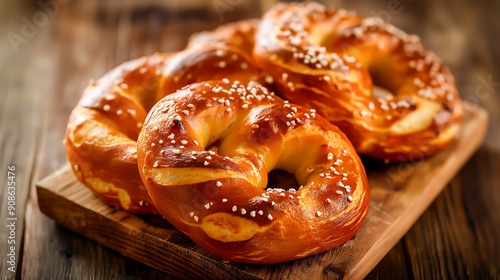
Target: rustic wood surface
(48,52)
(400,193)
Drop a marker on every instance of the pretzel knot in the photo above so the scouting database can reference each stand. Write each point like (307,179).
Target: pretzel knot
(204,153)
(329,59)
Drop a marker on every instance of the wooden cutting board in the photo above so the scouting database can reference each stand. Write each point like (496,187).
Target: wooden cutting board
(400,193)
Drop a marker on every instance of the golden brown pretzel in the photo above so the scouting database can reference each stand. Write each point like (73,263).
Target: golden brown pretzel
(204,154)
(103,128)
(326,59)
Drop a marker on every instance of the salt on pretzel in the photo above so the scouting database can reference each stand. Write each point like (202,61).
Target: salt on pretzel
(329,59)
(204,153)
(103,128)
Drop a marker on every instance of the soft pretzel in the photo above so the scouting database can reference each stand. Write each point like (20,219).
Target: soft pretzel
(103,128)
(204,153)
(327,59)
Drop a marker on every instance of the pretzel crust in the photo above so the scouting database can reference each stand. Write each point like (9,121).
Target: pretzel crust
(239,35)
(204,154)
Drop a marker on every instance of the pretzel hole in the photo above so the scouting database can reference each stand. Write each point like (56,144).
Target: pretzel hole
(386,74)
(214,146)
(280,179)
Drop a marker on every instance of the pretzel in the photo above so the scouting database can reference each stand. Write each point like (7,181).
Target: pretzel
(204,153)
(103,128)
(329,59)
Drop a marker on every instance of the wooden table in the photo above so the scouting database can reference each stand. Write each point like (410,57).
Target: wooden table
(49,51)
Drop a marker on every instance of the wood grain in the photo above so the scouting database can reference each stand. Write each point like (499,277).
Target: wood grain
(458,237)
(19,135)
(400,193)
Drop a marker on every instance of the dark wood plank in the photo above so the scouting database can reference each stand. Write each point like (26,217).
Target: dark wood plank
(19,129)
